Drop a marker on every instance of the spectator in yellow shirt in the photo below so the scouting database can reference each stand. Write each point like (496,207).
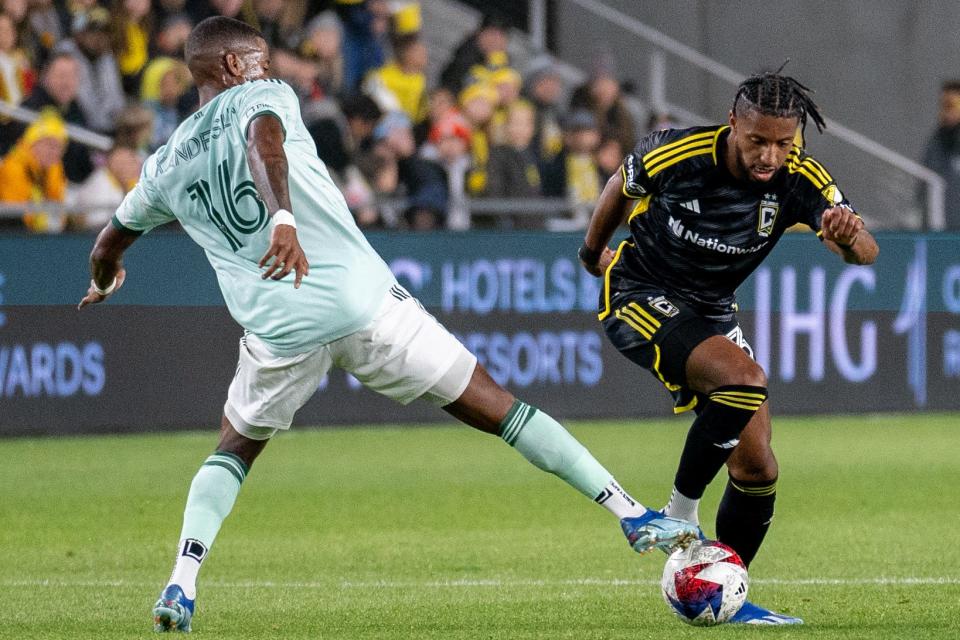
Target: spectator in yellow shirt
(401,85)
(33,172)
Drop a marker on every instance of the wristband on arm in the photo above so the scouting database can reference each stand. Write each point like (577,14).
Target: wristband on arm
(104,292)
(588,256)
(282,216)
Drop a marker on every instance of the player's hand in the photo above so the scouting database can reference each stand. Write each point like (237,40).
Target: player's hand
(598,269)
(286,255)
(93,297)
(840,225)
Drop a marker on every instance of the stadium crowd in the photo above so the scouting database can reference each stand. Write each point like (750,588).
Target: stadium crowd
(407,149)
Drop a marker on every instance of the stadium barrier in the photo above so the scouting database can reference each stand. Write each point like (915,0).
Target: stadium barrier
(832,337)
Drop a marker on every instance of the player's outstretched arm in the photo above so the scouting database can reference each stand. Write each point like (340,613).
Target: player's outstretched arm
(845,235)
(595,255)
(106,264)
(268,166)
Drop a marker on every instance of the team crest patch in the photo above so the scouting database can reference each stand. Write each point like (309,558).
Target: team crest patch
(664,306)
(832,194)
(769,207)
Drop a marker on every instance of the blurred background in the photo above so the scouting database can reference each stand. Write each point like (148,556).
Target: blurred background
(489,128)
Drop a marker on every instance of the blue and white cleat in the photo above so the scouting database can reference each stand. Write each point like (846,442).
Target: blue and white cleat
(173,611)
(752,614)
(654,530)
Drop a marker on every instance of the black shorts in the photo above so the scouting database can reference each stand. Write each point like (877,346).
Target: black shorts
(658,333)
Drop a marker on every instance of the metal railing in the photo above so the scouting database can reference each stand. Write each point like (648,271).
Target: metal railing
(934,184)
(80,134)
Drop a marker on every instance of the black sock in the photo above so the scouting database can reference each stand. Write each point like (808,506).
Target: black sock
(744,516)
(714,434)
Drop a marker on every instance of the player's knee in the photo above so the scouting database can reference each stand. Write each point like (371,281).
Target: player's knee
(747,374)
(756,470)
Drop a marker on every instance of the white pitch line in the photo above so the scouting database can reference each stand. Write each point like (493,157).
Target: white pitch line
(495,583)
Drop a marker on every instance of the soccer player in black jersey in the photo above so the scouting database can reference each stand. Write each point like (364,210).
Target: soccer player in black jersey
(705,206)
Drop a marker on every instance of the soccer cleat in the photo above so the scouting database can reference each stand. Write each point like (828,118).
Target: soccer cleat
(752,614)
(654,530)
(173,611)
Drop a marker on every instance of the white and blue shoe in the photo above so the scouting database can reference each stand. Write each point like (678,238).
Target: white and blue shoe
(752,614)
(173,611)
(654,530)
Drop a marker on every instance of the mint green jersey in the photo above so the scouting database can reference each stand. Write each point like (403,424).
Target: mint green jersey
(201,179)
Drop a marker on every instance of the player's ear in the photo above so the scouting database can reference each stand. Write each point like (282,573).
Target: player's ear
(233,64)
(732,119)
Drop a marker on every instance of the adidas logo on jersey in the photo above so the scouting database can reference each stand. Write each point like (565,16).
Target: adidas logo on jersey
(692,205)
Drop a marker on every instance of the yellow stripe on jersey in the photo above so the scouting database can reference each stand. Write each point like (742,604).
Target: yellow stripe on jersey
(645,314)
(686,407)
(693,149)
(627,312)
(804,169)
(634,324)
(656,369)
(823,173)
(606,280)
(650,155)
(716,138)
(746,395)
(641,208)
(735,405)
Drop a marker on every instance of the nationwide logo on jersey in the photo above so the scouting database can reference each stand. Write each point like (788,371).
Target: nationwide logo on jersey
(769,207)
(664,306)
(832,194)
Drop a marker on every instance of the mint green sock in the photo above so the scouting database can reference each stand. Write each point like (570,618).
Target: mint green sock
(546,444)
(212,493)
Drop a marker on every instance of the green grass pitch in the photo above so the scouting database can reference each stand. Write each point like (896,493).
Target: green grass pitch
(442,532)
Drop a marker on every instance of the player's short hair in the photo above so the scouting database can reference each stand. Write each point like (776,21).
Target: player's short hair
(950,86)
(216,34)
(780,96)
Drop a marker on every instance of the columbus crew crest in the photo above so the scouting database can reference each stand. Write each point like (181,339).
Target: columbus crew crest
(769,207)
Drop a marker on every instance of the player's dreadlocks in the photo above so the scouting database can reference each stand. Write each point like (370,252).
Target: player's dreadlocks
(781,96)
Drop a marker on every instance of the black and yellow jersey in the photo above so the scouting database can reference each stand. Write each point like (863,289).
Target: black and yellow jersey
(698,232)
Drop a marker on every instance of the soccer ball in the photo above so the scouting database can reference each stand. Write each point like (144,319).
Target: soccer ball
(705,584)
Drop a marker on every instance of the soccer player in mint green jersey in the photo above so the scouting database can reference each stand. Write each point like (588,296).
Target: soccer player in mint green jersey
(242,177)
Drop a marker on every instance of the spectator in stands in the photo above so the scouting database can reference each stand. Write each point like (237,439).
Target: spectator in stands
(322,50)
(942,153)
(477,103)
(602,96)
(47,26)
(362,114)
(132,28)
(166,9)
(365,32)
(26,39)
(574,173)
(401,84)
(96,200)
(421,182)
(100,93)
(33,172)
(273,19)
(484,48)
(512,171)
(440,104)
(165,81)
(171,36)
(16,75)
(134,128)
(58,86)
(449,146)
(544,89)
(608,156)
(507,82)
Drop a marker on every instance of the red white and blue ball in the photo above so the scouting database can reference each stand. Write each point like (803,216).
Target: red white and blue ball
(705,584)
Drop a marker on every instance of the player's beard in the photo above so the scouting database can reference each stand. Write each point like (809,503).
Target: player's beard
(747,170)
